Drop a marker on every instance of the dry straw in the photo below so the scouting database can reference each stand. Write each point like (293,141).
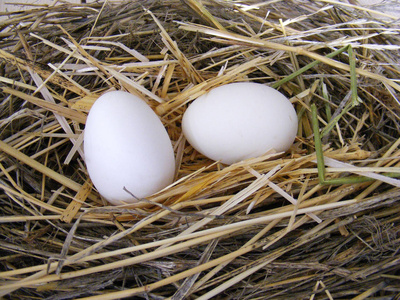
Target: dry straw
(321,221)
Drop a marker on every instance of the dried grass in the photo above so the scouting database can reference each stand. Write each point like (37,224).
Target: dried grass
(273,227)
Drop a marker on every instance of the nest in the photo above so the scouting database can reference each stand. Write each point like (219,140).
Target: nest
(321,221)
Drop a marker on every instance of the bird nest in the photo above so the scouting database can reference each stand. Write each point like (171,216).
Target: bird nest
(321,221)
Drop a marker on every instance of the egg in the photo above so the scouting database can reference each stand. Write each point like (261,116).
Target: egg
(240,120)
(126,145)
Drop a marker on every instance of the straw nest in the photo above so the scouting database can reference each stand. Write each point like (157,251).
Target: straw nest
(320,222)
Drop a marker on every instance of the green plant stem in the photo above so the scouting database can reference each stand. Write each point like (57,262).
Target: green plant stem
(307,67)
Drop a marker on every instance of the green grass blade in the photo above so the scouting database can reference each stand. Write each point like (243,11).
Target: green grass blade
(307,67)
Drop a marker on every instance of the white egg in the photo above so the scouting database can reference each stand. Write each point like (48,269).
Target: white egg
(241,120)
(126,145)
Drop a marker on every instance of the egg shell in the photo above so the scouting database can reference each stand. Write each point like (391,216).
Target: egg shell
(240,120)
(126,145)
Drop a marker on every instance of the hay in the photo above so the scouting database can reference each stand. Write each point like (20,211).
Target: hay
(320,222)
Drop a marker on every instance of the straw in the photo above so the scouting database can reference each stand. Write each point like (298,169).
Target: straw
(319,221)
